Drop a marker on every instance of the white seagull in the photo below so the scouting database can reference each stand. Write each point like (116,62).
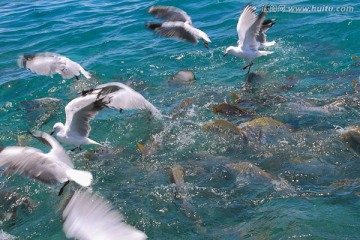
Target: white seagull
(49,168)
(48,64)
(251,32)
(177,24)
(88,216)
(84,108)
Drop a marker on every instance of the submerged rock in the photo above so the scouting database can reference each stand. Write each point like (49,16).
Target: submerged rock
(351,135)
(184,76)
(40,111)
(248,170)
(224,126)
(228,109)
(177,175)
(266,130)
(306,107)
(11,202)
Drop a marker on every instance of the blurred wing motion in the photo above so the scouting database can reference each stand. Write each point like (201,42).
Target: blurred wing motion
(177,24)
(88,216)
(170,14)
(49,64)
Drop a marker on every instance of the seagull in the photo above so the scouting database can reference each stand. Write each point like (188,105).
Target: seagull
(251,32)
(88,216)
(177,24)
(48,64)
(49,168)
(82,109)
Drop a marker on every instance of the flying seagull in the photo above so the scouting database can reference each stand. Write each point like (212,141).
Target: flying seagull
(251,32)
(49,168)
(48,64)
(177,24)
(82,109)
(88,216)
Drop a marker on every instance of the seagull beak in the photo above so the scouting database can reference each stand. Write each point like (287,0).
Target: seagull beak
(52,132)
(225,54)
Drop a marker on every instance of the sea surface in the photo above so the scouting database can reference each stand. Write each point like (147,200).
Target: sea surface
(301,180)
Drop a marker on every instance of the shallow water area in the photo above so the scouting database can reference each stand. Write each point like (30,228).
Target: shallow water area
(310,83)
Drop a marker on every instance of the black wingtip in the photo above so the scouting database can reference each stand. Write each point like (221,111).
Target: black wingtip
(1,148)
(152,25)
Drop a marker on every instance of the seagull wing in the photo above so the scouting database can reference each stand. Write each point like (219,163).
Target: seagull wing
(88,216)
(246,20)
(177,30)
(32,163)
(72,69)
(170,14)
(79,112)
(250,41)
(56,149)
(119,96)
(266,25)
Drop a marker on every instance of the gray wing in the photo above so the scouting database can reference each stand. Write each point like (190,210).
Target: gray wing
(170,14)
(79,112)
(176,30)
(88,216)
(250,41)
(32,163)
(266,25)
(56,149)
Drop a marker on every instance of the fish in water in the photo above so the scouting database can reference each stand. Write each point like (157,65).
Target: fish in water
(183,76)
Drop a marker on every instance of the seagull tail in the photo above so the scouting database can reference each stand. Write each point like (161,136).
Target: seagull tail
(264,53)
(85,73)
(89,141)
(82,178)
(268,44)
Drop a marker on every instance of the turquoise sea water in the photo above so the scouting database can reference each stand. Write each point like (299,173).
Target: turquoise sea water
(314,188)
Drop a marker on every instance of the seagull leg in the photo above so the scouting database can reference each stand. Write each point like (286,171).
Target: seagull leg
(250,64)
(62,188)
(77,78)
(74,149)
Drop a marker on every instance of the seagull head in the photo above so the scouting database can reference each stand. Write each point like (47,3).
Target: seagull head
(235,51)
(57,128)
(229,50)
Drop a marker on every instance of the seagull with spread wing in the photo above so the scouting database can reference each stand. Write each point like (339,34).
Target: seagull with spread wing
(177,24)
(89,216)
(48,64)
(82,109)
(49,168)
(251,30)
